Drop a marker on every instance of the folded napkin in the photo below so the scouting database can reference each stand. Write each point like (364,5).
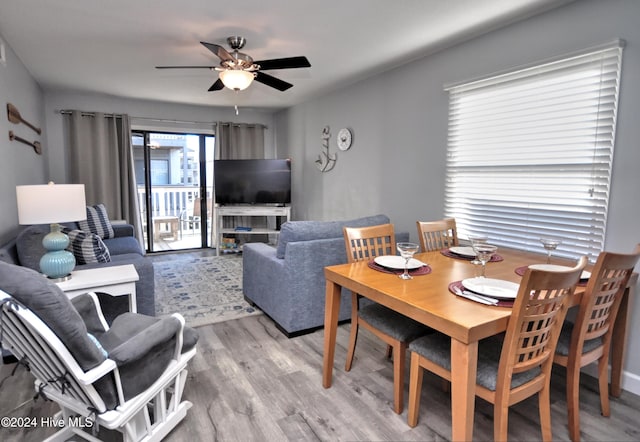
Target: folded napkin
(423,270)
(448,253)
(458,285)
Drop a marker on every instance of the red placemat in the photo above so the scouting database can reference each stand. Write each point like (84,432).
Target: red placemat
(458,285)
(424,270)
(449,254)
(521,270)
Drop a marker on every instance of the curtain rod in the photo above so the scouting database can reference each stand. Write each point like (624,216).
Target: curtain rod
(160,120)
(93,114)
(87,114)
(227,123)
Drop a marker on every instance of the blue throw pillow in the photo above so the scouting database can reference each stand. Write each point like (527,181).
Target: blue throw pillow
(97,222)
(87,247)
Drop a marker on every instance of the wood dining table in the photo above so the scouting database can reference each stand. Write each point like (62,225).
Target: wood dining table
(427,299)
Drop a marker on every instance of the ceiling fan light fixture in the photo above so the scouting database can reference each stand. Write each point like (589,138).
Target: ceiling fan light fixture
(236,79)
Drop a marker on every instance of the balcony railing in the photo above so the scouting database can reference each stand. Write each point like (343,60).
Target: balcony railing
(176,202)
(169,200)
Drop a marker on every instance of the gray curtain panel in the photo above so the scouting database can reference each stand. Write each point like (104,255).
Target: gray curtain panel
(101,158)
(239,141)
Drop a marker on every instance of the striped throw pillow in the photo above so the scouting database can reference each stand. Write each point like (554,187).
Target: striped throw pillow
(87,247)
(97,222)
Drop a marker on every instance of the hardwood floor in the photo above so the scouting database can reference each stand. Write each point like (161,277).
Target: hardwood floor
(250,383)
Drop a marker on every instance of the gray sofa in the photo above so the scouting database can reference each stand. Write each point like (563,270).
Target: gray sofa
(287,283)
(26,249)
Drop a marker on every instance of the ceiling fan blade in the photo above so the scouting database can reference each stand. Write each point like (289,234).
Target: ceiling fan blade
(218,50)
(216,86)
(272,81)
(283,63)
(185,67)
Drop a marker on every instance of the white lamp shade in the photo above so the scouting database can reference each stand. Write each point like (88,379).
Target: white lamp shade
(238,80)
(51,203)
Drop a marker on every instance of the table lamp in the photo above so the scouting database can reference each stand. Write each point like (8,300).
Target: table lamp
(52,204)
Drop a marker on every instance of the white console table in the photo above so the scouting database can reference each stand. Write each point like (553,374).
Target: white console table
(269,211)
(114,281)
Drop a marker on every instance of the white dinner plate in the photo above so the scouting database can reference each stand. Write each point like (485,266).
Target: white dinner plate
(397,262)
(496,288)
(463,251)
(556,268)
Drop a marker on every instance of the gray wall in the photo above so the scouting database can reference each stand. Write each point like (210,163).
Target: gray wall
(20,164)
(396,164)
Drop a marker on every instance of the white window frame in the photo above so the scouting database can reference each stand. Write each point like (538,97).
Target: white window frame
(530,152)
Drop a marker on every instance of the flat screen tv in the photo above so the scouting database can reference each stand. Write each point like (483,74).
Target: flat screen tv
(252,181)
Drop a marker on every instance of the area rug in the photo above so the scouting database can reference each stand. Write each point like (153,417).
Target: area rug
(205,290)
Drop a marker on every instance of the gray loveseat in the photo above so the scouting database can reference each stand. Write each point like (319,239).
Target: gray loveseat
(26,249)
(287,283)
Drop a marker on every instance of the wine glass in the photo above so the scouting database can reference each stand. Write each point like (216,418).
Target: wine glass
(549,244)
(477,239)
(484,252)
(407,249)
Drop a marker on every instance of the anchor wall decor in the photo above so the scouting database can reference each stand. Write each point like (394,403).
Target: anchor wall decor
(326,161)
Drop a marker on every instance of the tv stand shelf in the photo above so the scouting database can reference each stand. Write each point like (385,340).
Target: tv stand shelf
(284,212)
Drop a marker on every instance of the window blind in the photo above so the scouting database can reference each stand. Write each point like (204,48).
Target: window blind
(530,153)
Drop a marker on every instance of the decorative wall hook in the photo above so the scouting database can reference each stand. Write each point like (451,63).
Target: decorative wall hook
(14,116)
(326,161)
(36,145)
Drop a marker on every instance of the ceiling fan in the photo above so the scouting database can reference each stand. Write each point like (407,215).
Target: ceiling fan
(238,70)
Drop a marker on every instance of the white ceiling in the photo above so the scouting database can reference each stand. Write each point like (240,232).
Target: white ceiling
(112,47)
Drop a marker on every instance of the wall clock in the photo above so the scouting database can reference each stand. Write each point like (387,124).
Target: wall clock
(345,138)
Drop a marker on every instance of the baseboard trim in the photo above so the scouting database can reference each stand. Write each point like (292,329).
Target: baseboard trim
(630,381)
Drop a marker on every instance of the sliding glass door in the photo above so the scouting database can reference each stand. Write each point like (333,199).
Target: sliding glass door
(174,174)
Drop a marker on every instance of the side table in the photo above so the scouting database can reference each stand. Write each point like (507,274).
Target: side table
(114,281)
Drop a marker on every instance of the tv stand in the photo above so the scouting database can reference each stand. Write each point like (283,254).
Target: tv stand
(284,212)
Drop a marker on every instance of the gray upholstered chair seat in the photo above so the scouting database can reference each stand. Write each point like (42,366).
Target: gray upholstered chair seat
(564,341)
(392,323)
(437,348)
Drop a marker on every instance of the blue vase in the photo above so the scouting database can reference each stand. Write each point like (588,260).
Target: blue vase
(57,263)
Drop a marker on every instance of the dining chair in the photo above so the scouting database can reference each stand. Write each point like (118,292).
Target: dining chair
(511,366)
(437,235)
(393,328)
(588,339)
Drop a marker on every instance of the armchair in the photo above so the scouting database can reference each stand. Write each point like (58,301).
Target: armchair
(287,283)
(128,377)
